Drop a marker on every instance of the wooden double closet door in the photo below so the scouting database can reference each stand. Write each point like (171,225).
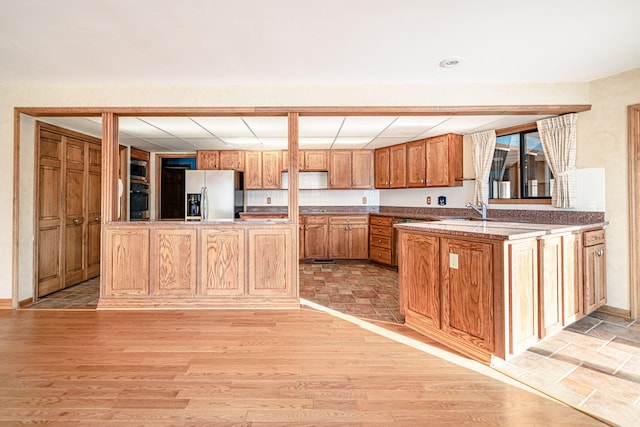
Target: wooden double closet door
(68,223)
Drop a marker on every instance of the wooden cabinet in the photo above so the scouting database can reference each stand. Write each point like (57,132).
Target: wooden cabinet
(398,166)
(416,163)
(231,160)
(127,262)
(223,261)
(207,159)
(269,268)
(348,237)
(551,284)
(420,277)
(362,169)
(444,161)
(308,160)
(573,292)
(173,262)
(381,243)
(340,169)
(467,291)
(316,236)
(262,170)
(594,272)
(381,168)
(68,193)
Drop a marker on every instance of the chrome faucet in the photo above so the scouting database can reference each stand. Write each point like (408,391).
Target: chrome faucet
(482,210)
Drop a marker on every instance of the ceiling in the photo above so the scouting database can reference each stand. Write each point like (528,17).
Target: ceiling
(186,134)
(267,44)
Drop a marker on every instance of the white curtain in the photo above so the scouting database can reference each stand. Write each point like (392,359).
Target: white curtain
(558,138)
(484,144)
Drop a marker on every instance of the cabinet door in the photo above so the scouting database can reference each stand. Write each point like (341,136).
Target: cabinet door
(127,258)
(270,262)
(467,291)
(223,262)
(362,169)
(419,276)
(416,163)
(231,160)
(207,159)
(340,169)
(594,277)
(314,160)
(398,166)
(338,241)
(173,262)
(550,285)
(316,233)
(74,212)
(271,169)
(572,278)
(437,156)
(359,241)
(381,173)
(253,170)
(93,209)
(523,295)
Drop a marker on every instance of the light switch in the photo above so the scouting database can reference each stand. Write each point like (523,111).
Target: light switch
(453,261)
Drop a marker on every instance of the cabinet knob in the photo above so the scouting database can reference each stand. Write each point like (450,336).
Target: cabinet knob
(379,241)
(76,220)
(379,255)
(97,219)
(600,252)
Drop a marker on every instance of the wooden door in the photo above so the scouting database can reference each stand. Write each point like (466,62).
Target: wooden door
(359,241)
(362,169)
(93,209)
(398,166)
(314,160)
(253,170)
(416,163)
(74,195)
(49,212)
(271,169)
(594,277)
(223,268)
(467,291)
(340,169)
(420,276)
(269,261)
(231,160)
(437,157)
(381,172)
(207,159)
(316,234)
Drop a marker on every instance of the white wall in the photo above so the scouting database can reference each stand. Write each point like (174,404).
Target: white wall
(143,96)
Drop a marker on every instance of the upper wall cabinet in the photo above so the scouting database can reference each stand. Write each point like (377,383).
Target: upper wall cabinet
(431,162)
(308,160)
(223,159)
(262,170)
(350,169)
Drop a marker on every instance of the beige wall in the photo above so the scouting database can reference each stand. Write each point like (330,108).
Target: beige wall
(78,96)
(603,142)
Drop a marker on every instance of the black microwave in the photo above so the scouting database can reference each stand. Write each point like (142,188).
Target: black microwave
(138,170)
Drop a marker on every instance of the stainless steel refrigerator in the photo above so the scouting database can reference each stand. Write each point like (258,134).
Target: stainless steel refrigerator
(213,194)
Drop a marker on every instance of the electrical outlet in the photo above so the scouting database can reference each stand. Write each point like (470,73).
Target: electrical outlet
(268,200)
(364,200)
(428,200)
(453,260)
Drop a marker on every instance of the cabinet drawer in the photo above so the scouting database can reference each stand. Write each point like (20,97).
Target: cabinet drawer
(381,230)
(316,219)
(593,237)
(380,241)
(386,221)
(380,255)
(348,220)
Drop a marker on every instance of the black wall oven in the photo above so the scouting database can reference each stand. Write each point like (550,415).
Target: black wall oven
(138,170)
(139,201)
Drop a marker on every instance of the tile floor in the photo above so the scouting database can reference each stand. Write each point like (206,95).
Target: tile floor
(593,364)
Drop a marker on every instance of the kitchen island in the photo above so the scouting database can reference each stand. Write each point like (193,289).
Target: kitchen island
(493,289)
(193,264)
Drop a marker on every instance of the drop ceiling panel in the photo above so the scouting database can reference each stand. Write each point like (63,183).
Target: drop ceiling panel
(268,127)
(460,125)
(182,127)
(364,126)
(78,124)
(385,142)
(411,127)
(207,143)
(225,127)
(315,143)
(274,143)
(350,143)
(243,143)
(133,126)
(320,126)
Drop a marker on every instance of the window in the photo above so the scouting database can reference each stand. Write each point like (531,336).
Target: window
(520,169)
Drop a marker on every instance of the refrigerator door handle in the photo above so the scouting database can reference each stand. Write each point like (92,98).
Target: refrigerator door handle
(205,203)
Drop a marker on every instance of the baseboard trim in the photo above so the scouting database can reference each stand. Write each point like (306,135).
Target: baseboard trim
(615,311)
(5,304)
(25,303)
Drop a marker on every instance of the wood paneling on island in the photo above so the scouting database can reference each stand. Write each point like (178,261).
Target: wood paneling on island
(199,265)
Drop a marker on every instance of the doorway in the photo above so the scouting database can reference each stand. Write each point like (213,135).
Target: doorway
(171,188)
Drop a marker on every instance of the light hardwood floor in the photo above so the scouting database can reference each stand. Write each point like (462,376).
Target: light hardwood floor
(245,368)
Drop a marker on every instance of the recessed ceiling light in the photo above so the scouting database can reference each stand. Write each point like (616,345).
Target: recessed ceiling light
(454,61)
